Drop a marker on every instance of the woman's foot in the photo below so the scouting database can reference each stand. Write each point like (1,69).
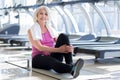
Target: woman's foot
(77,67)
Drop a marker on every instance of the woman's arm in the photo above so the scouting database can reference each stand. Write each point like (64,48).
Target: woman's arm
(39,46)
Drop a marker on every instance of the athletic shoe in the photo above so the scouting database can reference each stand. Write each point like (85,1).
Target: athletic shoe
(77,67)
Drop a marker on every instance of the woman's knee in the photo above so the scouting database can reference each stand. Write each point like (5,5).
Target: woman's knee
(63,35)
(62,39)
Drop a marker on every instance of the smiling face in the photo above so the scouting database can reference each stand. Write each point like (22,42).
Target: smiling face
(42,16)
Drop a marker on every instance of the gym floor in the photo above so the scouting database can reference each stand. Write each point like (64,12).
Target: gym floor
(107,69)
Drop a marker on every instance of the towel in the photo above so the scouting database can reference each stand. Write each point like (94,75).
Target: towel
(37,34)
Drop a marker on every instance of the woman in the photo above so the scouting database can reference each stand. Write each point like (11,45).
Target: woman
(44,55)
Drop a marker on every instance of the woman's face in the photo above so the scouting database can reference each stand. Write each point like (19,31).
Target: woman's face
(42,16)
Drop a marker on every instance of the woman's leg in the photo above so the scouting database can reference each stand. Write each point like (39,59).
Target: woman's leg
(62,40)
(47,63)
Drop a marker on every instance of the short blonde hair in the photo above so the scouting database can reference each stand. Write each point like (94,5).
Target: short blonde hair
(35,16)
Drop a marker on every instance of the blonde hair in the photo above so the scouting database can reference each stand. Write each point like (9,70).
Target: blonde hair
(35,16)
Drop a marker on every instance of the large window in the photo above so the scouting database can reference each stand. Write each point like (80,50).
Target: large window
(75,18)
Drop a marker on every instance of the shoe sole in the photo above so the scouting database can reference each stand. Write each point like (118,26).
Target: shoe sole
(79,65)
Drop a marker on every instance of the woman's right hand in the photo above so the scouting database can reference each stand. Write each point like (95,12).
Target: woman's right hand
(65,49)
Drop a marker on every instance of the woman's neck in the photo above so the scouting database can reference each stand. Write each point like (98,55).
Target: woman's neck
(43,28)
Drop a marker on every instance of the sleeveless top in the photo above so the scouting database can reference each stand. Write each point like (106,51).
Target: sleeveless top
(47,40)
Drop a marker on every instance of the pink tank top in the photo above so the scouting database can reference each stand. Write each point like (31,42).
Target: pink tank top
(47,40)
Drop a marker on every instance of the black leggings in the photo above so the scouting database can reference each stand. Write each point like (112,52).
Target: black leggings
(48,62)
(62,40)
(55,60)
